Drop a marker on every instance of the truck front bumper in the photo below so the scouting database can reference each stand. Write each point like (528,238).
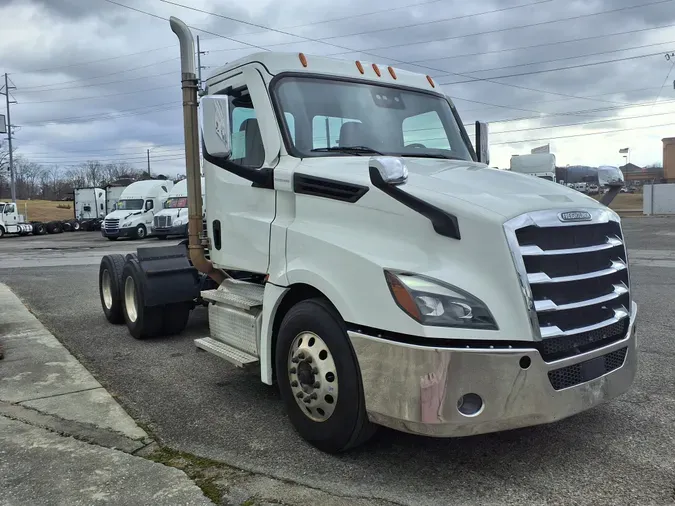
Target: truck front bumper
(181,230)
(419,389)
(119,232)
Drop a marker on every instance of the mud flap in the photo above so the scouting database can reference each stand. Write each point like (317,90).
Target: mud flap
(169,276)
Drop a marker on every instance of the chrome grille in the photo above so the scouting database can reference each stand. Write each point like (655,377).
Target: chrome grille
(575,279)
(162,221)
(111,225)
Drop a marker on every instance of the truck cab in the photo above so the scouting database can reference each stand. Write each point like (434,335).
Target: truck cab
(364,258)
(172,220)
(135,210)
(11,222)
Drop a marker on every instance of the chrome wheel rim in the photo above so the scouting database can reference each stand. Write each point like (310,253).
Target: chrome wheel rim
(130,299)
(141,232)
(313,376)
(106,289)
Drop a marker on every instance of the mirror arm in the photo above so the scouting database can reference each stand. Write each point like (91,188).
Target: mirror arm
(261,178)
(612,192)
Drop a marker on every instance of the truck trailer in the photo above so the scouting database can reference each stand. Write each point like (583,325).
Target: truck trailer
(379,281)
(88,207)
(537,164)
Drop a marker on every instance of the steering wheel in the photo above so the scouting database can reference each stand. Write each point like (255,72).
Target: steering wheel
(416,145)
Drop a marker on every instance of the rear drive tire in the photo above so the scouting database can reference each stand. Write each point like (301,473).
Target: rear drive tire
(142,321)
(39,228)
(334,419)
(66,226)
(141,232)
(76,225)
(110,287)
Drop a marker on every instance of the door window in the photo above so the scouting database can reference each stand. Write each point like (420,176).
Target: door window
(247,146)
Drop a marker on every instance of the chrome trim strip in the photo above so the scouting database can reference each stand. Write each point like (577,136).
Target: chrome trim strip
(537,278)
(611,242)
(555,331)
(543,306)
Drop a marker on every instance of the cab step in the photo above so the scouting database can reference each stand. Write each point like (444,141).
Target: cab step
(229,353)
(236,293)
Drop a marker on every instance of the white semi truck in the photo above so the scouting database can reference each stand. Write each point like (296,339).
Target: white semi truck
(88,207)
(112,195)
(375,279)
(172,220)
(135,210)
(537,164)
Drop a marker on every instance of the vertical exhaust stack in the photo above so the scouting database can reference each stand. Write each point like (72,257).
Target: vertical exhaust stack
(189,86)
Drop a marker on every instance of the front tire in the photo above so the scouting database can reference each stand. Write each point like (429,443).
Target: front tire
(319,378)
(141,232)
(142,321)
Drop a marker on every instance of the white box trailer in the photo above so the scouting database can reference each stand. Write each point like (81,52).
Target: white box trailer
(89,207)
(375,278)
(112,195)
(540,165)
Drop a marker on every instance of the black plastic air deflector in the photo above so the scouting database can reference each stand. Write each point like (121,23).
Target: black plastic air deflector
(444,223)
(327,188)
(169,276)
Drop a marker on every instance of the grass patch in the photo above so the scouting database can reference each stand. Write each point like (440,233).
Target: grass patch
(213,477)
(45,210)
(625,201)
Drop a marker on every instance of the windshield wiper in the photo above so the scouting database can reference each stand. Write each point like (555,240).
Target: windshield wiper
(433,155)
(348,149)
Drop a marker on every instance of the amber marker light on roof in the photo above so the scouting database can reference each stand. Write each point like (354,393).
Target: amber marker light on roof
(431,81)
(391,71)
(303,60)
(377,70)
(359,66)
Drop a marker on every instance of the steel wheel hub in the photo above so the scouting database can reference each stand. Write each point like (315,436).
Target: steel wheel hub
(106,289)
(130,298)
(313,376)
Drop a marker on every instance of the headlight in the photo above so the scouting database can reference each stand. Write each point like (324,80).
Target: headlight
(126,224)
(432,302)
(179,221)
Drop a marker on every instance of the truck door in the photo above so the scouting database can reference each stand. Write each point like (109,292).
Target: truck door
(10,215)
(244,211)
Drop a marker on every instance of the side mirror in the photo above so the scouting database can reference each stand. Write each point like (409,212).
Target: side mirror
(482,149)
(610,176)
(216,126)
(388,170)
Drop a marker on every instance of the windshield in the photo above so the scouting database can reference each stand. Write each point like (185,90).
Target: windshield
(130,205)
(327,117)
(175,203)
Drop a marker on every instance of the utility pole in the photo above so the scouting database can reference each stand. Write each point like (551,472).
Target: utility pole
(9,138)
(148,162)
(199,64)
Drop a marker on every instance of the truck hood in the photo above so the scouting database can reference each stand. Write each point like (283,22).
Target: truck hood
(123,215)
(174,212)
(502,192)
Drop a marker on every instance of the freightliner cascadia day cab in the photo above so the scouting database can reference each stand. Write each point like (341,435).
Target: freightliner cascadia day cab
(172,220)
(135,210)
(370,263)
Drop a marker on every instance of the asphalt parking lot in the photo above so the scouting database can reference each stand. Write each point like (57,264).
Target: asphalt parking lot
(622,452)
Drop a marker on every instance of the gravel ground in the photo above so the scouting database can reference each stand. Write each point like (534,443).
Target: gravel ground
(619,453)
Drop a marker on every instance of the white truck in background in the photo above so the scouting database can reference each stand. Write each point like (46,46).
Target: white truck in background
(172,220)
(135,210)
(540,165)
(13,223)
(378,279)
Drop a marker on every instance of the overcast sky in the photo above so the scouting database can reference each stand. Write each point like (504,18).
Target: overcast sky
(99,81)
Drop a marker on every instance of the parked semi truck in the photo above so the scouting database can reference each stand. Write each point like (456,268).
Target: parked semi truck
(112,195)
(135,210)
(537,164)
(172,220)
(89,207)
(375,280)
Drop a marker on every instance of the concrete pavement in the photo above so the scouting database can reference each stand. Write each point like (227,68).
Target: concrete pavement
(63,438)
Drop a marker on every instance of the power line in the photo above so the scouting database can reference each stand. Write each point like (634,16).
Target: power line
(501,30)
(543,44)
(557,69)
(193,27)
(99,96)
(579,135)
(95,117)
(30,90)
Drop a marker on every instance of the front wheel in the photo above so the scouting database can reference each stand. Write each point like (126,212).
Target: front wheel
(141,231)
(319,378)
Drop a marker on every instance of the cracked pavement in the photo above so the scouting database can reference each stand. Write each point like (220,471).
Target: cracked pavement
(622,452)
